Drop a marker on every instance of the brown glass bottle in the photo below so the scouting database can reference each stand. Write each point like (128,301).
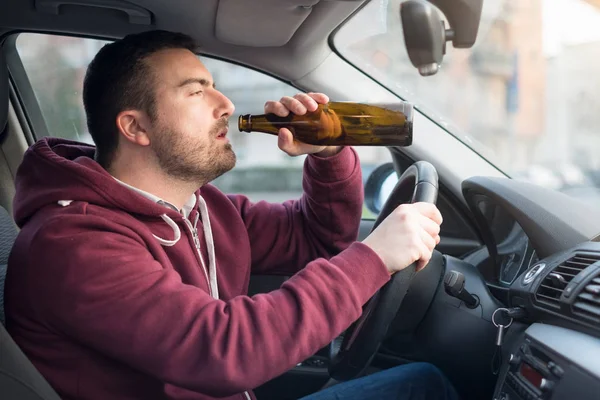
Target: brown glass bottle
(341,123)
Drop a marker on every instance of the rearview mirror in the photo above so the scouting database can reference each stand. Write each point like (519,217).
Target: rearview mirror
(379,186)
(425,34)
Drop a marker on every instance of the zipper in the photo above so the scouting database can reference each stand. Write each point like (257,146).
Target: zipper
(196,238)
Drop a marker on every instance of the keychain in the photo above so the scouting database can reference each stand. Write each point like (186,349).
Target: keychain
(497,359)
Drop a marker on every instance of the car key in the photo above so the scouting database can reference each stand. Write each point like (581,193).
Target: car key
(501,326)
(497,359)
(500,335)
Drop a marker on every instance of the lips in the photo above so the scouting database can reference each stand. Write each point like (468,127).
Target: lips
(221,127)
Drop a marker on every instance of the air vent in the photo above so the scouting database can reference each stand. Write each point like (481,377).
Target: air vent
(587,304)
(555,282)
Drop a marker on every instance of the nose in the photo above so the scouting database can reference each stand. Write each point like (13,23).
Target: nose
(225,107)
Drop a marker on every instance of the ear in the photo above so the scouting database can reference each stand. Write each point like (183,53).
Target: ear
(134,126)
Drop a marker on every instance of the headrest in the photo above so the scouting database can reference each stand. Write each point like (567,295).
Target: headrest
(3,92)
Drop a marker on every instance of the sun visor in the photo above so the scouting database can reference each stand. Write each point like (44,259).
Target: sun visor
(3,92)
(260,23)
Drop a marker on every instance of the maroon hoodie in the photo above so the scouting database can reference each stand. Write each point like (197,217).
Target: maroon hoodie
(108,291)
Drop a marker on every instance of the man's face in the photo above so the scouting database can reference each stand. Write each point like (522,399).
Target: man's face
(188,132)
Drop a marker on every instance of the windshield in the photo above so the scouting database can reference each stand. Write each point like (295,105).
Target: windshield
(526,96)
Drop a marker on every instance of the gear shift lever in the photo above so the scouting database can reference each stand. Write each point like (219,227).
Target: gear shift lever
(454,284)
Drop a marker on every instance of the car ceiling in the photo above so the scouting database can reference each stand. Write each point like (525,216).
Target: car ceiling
(287,38)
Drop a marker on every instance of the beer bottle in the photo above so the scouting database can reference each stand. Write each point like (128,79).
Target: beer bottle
(341,123)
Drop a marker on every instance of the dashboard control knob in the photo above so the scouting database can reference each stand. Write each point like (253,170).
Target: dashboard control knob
(514,359)
(546,385)
(555,369)
(533,273)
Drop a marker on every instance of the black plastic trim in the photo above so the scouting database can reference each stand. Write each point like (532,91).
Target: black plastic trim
(23,89)
(552,220)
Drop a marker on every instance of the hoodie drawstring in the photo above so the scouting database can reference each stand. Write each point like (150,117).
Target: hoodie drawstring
(211,273)
(176,232)
(210,243)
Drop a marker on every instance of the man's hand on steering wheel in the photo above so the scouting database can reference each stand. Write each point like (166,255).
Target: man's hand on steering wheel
(409,234)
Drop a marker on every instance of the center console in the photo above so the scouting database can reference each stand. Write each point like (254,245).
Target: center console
(551,362)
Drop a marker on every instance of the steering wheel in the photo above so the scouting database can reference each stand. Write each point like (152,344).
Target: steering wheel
(419,183)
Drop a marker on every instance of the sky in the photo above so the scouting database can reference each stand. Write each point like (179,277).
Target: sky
(569,22)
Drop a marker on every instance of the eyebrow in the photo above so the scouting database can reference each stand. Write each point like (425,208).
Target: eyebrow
(201,81)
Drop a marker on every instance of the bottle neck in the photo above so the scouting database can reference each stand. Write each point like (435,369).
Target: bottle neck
(266,123)
(245,123)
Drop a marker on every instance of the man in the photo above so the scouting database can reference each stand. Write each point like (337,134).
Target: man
(129,277)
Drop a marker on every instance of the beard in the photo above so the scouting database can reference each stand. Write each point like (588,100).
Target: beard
(191,160)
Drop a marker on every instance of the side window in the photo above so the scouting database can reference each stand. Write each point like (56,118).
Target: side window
(56,67)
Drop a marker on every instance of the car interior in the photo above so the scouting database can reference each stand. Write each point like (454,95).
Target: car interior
(509,305)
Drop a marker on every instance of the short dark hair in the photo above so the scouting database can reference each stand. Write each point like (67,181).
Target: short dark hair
(118,79)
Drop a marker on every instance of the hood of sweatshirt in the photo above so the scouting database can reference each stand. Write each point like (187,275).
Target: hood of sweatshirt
(59,171)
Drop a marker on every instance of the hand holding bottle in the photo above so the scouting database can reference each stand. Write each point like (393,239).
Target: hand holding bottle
(300,104)
(408,234)
(313,120)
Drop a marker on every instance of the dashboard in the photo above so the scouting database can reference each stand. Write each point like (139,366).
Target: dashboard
(544,250)
(515,254)
(544,254)
(508,246)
